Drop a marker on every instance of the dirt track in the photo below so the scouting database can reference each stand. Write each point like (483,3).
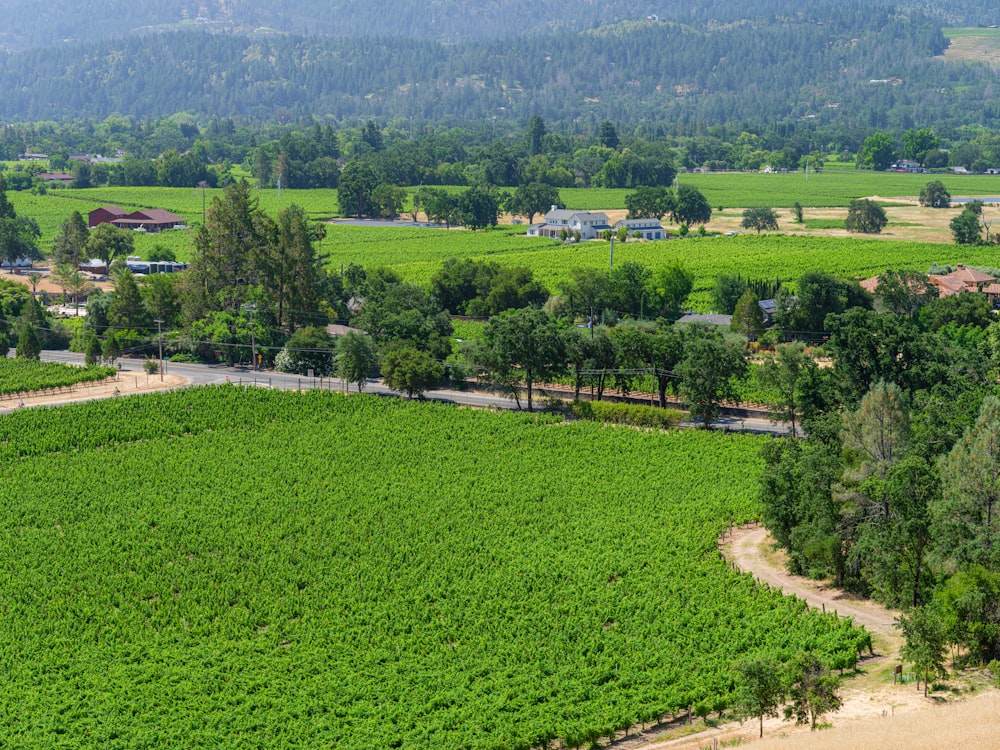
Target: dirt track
(864,698)
(125,384)
(748,548)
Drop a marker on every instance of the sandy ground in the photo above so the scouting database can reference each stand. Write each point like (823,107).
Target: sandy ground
(908,221)
(125,384)
(45,284)
(876,714)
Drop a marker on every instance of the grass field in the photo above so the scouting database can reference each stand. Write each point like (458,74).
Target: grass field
(974,45)
(222,567)
(417,253)
(766,256)
(53,208)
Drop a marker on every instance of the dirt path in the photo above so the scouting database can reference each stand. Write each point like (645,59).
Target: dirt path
(125,384)
(749,548)
(867,697)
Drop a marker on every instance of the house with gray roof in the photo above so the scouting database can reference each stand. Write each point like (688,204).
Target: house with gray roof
(648,229)
(589,224)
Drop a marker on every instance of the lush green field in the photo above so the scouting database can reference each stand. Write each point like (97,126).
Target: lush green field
(53,208)
(423,248)
(417,253)
(24,375)
(951,33)
(832,188)
(228,568)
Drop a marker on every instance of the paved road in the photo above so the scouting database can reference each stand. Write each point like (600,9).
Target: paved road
(199,374)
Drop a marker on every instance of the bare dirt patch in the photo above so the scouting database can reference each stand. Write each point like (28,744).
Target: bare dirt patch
(45,283)
(984,49)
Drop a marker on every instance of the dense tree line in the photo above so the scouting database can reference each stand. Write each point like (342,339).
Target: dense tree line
(890,492)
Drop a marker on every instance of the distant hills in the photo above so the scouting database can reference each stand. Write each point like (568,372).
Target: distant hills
(676,65)
(43,23)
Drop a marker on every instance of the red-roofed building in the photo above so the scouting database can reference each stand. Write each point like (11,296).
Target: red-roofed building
(147,219)
(960,280)
(105,215)
(62,178)
(974,280)
(992,292)
(948,286)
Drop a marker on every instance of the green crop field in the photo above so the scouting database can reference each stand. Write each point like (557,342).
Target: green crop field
(951,33)
(832,188)
(53,208)
(224,567)
(422,247)
(418,253)
(24,375)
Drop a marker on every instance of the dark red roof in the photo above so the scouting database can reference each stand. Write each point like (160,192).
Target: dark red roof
(112,210)
(156,216)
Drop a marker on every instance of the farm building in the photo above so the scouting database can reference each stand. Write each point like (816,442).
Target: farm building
(649,229)
(59,178)
(589,224)
(147,219)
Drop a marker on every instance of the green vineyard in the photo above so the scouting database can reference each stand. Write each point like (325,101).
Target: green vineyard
(24,375)
(224,567)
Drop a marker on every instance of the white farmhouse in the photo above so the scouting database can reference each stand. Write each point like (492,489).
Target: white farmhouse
(589,224)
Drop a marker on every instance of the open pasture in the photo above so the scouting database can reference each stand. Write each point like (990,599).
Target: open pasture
(831,188)
(53,208)
(227,567)
(973,45)
(418,252)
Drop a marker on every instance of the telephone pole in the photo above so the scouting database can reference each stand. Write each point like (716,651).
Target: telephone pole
(159,336)
(251,307)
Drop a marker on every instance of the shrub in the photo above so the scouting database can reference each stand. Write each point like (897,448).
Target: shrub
(637,415)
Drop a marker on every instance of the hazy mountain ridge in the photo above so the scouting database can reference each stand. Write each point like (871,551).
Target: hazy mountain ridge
(852,63)
(630,71)
(41,23)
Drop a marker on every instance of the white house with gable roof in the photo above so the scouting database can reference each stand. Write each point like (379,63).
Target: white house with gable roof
(589,224)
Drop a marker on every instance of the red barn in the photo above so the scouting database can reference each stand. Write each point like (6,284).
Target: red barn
(147,219)
(105,215)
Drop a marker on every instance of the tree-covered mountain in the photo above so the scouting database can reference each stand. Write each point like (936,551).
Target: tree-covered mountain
(856,64)
(42,23)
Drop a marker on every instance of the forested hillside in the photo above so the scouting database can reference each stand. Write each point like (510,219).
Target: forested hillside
(38,23)
(860,67)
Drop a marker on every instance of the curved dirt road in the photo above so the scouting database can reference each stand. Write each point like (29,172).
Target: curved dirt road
(748,548)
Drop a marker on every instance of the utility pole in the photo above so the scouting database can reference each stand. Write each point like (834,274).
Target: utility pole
(253,339)
(202,184)
(159,336)
(611,264)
